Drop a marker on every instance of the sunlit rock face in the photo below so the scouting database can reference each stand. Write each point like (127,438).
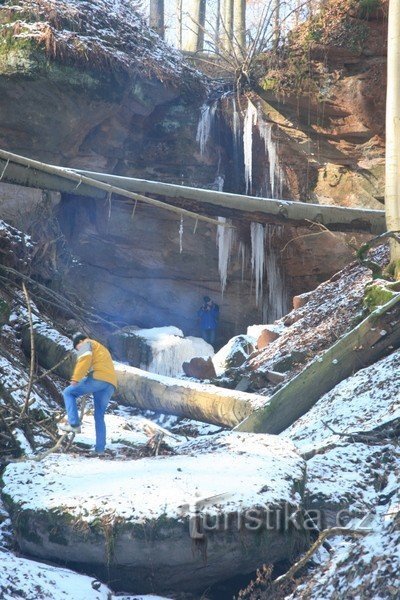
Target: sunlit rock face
(138,115)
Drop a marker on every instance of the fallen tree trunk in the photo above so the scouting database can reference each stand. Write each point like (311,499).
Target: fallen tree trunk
(209,202)
(80,179)
(148,391)
(287,212)
(198,401)
(372,339)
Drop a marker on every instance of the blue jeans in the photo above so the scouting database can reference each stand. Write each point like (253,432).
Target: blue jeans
(209,335)
(102,392)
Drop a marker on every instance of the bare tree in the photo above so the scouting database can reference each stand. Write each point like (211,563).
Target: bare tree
(157,16)
(227,24)
(277,22)
(239,24)
(197,17)
(392,191)
(179,14)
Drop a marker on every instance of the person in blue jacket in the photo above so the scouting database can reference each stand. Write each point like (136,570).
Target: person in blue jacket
(208,315)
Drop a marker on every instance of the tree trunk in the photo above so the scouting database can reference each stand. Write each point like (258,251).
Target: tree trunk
(42,176)
(206,403)
(277,23)
(179,16)
(239,26)
(197,19)
(157,16)
(392,192)
(217,33)
(227,25)
(372,339)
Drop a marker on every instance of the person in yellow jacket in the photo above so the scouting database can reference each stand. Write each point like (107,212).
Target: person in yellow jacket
(94,373)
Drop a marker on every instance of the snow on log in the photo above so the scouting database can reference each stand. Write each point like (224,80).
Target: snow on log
(148,391)
(372,339)
(202,402)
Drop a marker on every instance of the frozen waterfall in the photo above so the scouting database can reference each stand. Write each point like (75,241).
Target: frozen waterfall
(250,120)
(275,173)
(253,119)
(276,303)
(266,264)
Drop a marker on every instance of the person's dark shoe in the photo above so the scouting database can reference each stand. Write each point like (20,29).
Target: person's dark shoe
(70,428)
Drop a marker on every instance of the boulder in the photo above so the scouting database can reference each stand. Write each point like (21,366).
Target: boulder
(51,347)
(234,353)
(301,300)
(220,507)
(161,350)
(349,480)
(287,362)
(200,368)
(269,334)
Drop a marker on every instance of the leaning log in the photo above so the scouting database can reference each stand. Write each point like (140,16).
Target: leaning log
(285,212)
(148,391)
(202,402)
(14,169)
(79,179)
(375,337)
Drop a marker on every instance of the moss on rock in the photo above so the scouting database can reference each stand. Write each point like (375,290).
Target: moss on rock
(376,294)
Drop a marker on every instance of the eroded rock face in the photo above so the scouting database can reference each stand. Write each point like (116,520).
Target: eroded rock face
(139,122)
(143,530)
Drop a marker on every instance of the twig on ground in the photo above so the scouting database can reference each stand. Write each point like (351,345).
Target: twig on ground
(32,361)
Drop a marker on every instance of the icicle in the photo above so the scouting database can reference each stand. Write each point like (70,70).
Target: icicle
(275,170)
(276,303)
(236,125)
(265,130)
(205,125)
(218,184)
(250,120)
(257,257)
(181,235)
(242,256)
(225,239)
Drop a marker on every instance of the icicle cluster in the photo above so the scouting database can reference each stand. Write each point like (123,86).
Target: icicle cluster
(250,120)
(225,240)
(275,173)
(253,118)
(257,257)
(205,125)
(265,261)
(276,302)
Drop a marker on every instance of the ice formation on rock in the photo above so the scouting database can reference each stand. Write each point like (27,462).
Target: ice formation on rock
(205,125)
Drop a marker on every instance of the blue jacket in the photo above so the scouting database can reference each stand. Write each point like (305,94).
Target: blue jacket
(209,318)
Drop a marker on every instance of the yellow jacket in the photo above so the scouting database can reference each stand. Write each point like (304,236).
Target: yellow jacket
(94,360)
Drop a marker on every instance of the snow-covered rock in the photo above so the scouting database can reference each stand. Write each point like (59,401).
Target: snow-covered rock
(366,568)
(160,350)
(155,523)
(234,353)
(362,402)
(350,480)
